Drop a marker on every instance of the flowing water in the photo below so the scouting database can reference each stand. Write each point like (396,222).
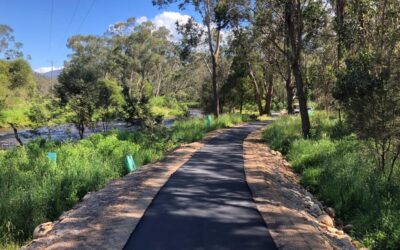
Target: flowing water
(68,132)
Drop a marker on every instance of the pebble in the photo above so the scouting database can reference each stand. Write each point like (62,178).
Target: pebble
(339,232)
(326,219)
(332,230)
(42,230)
(330,211)
(348,228)
(87,196)
(315,210)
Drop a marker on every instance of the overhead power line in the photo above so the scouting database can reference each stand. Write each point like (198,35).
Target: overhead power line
(72,19)
(51,29)
(87,14)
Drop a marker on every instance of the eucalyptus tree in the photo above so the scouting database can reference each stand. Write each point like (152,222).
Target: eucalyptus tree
(241,88)
(9,47)
(142,58)
(86,86)
(271,26)
(293,26)
(217,16)
(247,63)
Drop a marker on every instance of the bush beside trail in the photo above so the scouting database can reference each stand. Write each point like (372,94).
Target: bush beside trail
(341,170)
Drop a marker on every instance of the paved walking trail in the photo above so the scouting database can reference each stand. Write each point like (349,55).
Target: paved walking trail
(206,204)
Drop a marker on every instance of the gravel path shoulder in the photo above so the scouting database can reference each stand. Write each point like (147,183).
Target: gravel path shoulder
(296,220)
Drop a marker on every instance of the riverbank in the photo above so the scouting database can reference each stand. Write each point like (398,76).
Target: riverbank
(68,132)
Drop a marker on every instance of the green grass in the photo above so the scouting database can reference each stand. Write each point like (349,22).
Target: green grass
(341,171)
(195,129)
(282,133)
(34,190)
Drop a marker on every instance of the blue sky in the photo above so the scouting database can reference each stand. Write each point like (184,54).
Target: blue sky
(31,21)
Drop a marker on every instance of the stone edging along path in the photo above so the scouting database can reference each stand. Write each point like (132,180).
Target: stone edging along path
(294,217)
(106,219)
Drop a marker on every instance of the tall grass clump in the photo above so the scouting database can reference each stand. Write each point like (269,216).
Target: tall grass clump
(341,170)
(307,157)
(34,189)
(282,132)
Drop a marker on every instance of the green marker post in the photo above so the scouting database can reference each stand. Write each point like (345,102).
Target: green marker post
(209,120)
(130,163)
(52,156)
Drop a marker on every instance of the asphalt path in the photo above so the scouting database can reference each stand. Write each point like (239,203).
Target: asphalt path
(206,204)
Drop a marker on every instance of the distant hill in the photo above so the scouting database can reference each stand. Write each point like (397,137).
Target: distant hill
(55,73)
(43,83)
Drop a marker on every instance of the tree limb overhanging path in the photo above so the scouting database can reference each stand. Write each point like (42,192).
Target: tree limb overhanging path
(206,204)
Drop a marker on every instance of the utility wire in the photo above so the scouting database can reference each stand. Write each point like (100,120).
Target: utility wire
(87,14)
(50,45)
(51,28)
(72,19)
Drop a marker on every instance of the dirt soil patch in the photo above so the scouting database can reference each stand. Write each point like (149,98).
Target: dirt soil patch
(296,219)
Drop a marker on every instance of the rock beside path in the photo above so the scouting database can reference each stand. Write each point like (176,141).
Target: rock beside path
(326,220)
(42,230)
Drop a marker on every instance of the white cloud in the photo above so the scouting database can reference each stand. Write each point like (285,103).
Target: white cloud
(43,70)
(142,19)
(168,20)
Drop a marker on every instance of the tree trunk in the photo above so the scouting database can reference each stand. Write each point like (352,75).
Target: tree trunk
(214,54)
(16,134)
(257,92)
(392,165)
(289,86)
(241,97)
(158,88)
(305,120)
(340,4)
(269,93)
(289,93)
(81,130)
(142,82)
(294,20)
(49,133)
(215,86)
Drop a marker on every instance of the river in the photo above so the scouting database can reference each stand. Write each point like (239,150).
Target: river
(68,132)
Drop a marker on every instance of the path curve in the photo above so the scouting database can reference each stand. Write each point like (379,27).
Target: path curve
(206,204)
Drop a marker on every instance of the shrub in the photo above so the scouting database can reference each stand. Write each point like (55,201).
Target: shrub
(166,107)
(341,171)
